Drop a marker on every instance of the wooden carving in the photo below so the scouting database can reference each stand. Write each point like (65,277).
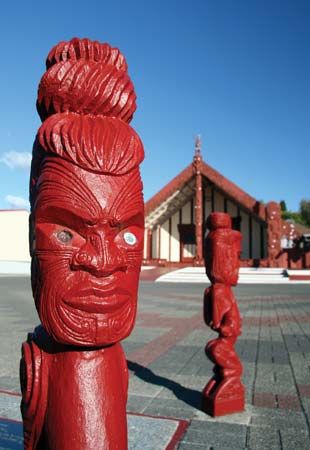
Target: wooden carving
(86,233)
(224,393)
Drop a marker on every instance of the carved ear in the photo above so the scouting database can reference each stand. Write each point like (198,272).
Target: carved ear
(34,385)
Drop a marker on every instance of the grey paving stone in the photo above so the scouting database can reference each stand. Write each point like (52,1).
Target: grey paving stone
(143,335)
(137,403)
(174,403)
(146,433)
(10,383)
(242,418)
(166,411)
(213,438)
(129,346)
(278,418)
(140,387)
(191,446)
(218,427)
(10,406)
(264,439)
(293,439)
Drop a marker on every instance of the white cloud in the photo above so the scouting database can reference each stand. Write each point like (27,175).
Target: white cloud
(17,202)
(16,159)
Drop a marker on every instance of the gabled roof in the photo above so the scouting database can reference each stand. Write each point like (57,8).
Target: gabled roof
(173,190)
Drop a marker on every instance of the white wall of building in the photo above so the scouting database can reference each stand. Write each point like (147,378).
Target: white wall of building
(14,235)
(164,241)
(155,252)
(175,238)
(186,213)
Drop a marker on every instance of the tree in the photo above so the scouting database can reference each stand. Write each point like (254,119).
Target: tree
(305,211)
(283,205)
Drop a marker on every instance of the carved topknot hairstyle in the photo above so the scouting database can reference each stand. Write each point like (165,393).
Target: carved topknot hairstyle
(86,100)
(58,136)
(87,50)
(86,77)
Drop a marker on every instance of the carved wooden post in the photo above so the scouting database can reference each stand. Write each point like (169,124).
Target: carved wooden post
(198,203)
(87,241)
(274,234)
(224,393)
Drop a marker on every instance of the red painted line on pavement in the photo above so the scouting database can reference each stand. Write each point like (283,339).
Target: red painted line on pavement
(274,401)
(275,321)
(264,400)
(299,277)
(304,390)
(179,433)
(9,420)
(160,345)
(290,402)
(16,394)
(159,320)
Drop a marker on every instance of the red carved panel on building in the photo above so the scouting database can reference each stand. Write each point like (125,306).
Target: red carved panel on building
(274,234)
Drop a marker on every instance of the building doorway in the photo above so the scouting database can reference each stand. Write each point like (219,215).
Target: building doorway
(187,242)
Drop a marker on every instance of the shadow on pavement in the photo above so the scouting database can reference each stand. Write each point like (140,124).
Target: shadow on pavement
(189,396)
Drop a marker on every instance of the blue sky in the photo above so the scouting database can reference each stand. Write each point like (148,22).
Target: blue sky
(235,71)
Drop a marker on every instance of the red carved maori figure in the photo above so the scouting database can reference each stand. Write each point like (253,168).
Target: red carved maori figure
(86,237)
(224,393)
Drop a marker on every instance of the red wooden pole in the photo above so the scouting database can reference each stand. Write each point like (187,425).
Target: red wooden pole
(87,230)
(224,393)
(274,234)
(198,204)
(149,245)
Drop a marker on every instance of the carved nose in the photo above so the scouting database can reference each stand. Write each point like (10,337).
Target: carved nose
(101,260)
(83,258)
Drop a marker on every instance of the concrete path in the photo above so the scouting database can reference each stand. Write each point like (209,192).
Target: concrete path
(247,275)
(168,368)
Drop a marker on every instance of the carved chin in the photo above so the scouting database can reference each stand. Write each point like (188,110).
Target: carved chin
(74,327)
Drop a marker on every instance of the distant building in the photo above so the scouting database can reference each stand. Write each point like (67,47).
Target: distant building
(14,235)
(175,220)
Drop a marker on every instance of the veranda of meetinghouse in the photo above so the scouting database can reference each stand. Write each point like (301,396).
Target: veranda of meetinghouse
(175,221)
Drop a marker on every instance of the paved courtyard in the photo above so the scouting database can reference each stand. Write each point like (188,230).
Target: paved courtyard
(168,367)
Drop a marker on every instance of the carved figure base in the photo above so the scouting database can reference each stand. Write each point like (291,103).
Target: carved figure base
(222,406)
(226,396)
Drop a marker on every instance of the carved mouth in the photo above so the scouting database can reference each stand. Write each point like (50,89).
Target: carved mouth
(98,301)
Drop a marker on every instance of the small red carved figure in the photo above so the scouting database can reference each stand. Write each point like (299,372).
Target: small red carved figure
(224,393)
(86,236)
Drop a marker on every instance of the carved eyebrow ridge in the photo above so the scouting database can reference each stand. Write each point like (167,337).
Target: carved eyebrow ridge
(78,189)
(130,197)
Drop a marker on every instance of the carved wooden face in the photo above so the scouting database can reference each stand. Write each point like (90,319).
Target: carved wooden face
(87,253)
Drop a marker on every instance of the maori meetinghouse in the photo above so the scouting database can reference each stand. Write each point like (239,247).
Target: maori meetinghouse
(175,222)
